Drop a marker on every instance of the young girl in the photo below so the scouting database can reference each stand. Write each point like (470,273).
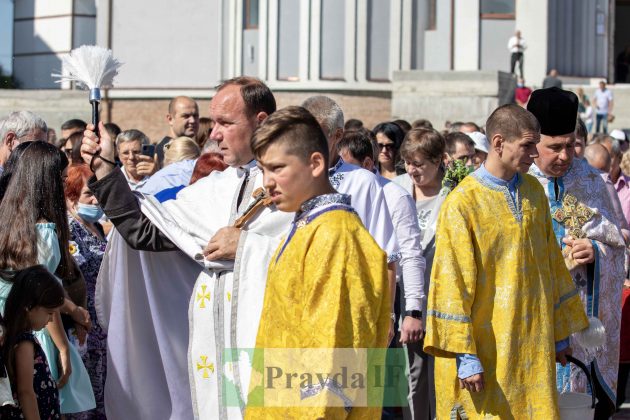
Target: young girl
(35,297)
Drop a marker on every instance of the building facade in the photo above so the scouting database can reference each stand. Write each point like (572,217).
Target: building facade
(350,48)
(314,44)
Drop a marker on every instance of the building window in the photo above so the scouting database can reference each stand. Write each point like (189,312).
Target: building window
(498,9)
(251,14)
(6,37)
(432,15)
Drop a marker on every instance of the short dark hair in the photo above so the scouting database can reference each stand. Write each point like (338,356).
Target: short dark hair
(456,137)
(455,126)
(294,127)
(256,95)
(403,124)
(113,130)
(422,123)
(74,123)
(511,121)
(359,143)
(353,124)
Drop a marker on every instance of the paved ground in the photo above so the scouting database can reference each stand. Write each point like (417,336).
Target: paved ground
(624,414)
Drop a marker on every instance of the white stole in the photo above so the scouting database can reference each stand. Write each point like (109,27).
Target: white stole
(155,360)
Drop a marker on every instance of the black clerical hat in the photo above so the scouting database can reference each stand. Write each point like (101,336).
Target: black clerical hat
(555,109)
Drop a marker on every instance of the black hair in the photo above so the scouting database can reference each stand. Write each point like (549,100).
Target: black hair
(32,287)
(396,134)
(74,123)
(34,193)
(359,143)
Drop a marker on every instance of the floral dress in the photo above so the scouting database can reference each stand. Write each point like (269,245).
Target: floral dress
(43,384)
(87,251)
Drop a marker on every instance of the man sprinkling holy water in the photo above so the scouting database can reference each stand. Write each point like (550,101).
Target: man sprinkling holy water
(585,227)
(222,239)
(501,301)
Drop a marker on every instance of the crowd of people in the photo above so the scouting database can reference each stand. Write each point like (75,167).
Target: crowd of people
(140,279)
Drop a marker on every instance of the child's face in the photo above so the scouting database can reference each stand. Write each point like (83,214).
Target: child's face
(40,316)
(287,178)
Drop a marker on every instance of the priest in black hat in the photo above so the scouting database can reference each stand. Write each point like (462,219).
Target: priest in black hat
(592,244)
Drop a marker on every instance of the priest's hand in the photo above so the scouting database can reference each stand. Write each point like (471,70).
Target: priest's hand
(561,356)
(473,383)
(582,250)
(104,146)
(412,330)
(223,244)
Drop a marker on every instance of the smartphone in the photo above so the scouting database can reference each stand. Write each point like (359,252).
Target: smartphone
(148,150)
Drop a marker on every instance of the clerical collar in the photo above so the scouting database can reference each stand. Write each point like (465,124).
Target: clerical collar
(535,170)
(323,200)
(335,168)
(247,167)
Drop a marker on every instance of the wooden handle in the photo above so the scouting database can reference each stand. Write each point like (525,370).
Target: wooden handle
(261,201)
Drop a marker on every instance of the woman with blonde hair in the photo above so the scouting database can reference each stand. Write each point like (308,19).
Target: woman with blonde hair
(181,148)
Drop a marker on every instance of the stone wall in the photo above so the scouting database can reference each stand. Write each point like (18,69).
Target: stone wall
(438,97)
(149,115)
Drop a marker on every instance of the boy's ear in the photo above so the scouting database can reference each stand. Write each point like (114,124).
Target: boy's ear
(318,164)
(261,116)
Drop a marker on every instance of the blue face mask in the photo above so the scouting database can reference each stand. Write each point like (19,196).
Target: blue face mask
(89,212)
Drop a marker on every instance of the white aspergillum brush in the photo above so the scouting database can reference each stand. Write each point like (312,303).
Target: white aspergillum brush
(91,67)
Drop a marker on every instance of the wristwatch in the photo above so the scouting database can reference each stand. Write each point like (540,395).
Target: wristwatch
(414,314)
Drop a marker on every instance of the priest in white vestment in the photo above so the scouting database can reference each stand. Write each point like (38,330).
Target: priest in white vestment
(221,268)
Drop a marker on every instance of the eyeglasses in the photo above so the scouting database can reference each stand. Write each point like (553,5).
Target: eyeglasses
(388,146)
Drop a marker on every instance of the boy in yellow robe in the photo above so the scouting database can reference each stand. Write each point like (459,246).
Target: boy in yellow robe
(501,302)
(327,288)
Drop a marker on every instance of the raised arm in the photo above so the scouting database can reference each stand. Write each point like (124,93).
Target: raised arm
(116,198)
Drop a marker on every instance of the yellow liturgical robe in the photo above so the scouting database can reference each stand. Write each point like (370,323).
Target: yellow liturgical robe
(327,292)
(499,290)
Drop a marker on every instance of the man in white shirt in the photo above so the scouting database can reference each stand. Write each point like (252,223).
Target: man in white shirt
(603,99)
(517,46)
(368,198)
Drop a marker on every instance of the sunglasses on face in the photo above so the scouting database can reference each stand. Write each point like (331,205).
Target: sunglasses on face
(386,146)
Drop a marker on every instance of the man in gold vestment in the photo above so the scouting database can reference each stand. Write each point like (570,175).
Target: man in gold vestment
(501,297)
(327,298)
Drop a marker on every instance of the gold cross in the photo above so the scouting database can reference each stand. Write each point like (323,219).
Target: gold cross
(205,367)
(573,215)
(203,296)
